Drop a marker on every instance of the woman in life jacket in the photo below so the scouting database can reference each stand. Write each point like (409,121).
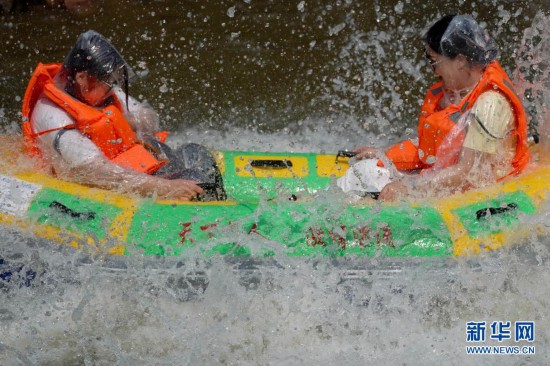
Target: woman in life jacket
(80,120)
(472,128)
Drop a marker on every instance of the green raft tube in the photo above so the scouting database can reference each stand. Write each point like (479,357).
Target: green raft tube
(275,207)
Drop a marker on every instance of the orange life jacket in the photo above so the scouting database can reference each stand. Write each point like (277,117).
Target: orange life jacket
(107,127)
(434,124)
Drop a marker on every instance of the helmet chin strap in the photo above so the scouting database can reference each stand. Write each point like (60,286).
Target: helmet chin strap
(125,73)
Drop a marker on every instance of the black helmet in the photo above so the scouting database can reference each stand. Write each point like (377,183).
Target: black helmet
(94,54)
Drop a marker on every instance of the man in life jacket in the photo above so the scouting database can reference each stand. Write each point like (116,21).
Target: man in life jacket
(79,119)
(472,129)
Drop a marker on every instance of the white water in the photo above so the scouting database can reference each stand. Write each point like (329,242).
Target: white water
(105,310)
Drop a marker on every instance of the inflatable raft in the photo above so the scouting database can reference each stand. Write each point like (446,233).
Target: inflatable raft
(273,209)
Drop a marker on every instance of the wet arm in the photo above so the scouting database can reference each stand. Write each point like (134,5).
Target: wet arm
(435,182)
(74,156)
(104,174)
(449,179)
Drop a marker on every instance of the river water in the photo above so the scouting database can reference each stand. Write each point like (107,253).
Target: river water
(277,76)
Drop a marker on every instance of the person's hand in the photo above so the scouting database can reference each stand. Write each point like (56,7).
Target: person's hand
(393,191)
(181,189)
(365,152)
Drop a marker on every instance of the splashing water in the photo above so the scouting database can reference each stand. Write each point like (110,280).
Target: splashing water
(60,305)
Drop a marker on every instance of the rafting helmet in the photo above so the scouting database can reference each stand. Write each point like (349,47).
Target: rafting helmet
(94,54)
(455,35)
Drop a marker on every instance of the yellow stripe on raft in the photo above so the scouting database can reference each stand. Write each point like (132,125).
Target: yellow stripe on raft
(328,166)
(44,231)
(219,157)
(121,224)
(60,236)
(534,184)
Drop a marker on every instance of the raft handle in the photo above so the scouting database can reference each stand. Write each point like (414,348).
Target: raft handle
(345,154)
(495,210)
(271,164)
(77,215)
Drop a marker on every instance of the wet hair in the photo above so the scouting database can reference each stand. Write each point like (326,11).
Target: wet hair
(95,55)
(455,35)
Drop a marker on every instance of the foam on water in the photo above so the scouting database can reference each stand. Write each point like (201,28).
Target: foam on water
(326,135)
(83,309)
